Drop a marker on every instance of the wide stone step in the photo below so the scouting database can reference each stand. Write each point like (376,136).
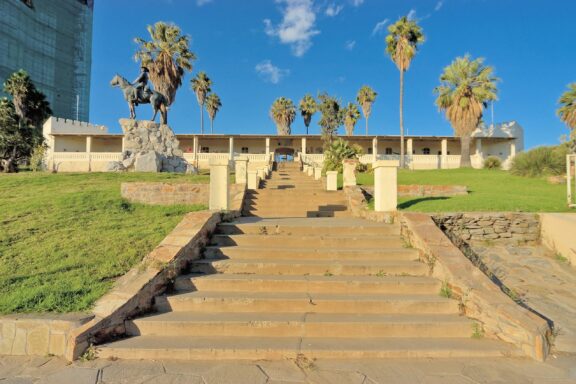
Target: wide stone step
(296,302)
(300,325)
(308,206)
(311,267)
(271,213)
(251,348)
(316,284)
(316,241)
(363,253)
(302,226)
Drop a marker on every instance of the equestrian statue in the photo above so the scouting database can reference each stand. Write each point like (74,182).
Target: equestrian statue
(138,92)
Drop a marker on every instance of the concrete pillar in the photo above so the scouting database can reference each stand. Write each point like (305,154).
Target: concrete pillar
(409,147)
(332,180)
(303,145)
(385,185)
(219,189)
(512,149)
(374,149)
(241,170)
(195,147)
(88,144)
(305,168)
(444,158)
(231,148)
(261,173)
(349,172)
(123,143)
(310,171)
(317,173)
(253,182)
(479,147)
(267,147)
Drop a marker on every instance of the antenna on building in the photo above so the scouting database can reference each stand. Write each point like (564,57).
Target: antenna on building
(77,107)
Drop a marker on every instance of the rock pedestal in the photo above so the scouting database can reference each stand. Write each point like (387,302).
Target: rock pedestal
(385,185)
(349,173)
(150,147)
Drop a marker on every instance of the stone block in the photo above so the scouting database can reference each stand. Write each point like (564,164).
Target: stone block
(385,185)
(57,345)
(37,341)
(331,180)
(349,172)
(219,180)
(148,162)
(317,173)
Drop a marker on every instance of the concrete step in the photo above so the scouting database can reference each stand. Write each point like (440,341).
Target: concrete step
(271,213)
(300,325)
(360,253)
(250,348)
(312,267)
(296,302)
(317,241)
(335,205)
(316,284)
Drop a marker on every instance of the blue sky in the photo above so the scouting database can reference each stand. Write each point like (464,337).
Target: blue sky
(258,50)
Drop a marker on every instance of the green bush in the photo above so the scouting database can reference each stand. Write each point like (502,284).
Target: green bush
(337,151)
(37,158)
(540,161)
(492,162)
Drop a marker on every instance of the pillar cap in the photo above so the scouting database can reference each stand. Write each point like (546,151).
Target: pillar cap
(331,172)
(385,163)
(225,162)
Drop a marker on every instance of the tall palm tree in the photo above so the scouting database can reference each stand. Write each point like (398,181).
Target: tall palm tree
(466,87)
(213,105)
(18,85)
(402,42)
(201,86)
(351,116)
(308,107)
(283,112)
(567,111)
(366,97)
(167,56)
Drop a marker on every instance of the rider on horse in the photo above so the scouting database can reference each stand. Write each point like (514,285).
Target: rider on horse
(141,89)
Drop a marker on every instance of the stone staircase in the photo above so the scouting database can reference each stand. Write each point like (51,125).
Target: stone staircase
(291,193)
(278,287)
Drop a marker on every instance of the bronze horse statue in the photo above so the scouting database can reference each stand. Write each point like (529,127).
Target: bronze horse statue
(155,99)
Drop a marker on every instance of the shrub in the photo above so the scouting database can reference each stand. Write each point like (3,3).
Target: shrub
(540,161)
(492,162)
(337,151)
(37,158)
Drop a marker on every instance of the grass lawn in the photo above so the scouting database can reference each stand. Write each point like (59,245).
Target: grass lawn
(490,190)
(64,238)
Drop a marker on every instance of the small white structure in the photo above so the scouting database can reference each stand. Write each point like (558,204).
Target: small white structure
(385,185)
(219,188)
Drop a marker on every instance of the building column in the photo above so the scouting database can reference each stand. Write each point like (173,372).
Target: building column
(479,155)
(219,188)
(374,149)
(231,148)
(444,158)
(195,147)
(123,143)
(409,152)
(268,147)
(89,150)
(241,170)
(512,150)
(303,145)
(385,185)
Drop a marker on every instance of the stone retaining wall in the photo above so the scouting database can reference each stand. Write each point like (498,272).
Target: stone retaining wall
(416,190)
(514,227)
(171,193)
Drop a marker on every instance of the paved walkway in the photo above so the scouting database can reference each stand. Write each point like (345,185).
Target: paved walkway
(48,370)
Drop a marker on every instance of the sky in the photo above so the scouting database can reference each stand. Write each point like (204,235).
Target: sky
(257,50)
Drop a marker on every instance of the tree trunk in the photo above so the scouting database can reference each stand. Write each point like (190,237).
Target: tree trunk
(366,125)
(401,119)
(202,119)
(212,126)
(465,152)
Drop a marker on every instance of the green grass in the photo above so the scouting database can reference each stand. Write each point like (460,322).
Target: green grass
(64,238)
(490,190)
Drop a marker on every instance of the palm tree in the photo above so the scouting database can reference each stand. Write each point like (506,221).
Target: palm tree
(213,105)
(167,56)
(466,88)
(201,86)
(402,42)
(18,85)
(567,111)
(308,107)
(283,113)
(366,97)
(351,116)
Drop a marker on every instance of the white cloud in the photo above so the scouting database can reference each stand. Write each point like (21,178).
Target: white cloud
(270,73)
(202,2)
(357,3)
(379,26)
(350,44)
(439,5)
(412,14)
(297,26)
(333,10)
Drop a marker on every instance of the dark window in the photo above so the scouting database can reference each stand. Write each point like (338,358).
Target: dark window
(425,151)
(244,149)
(370,150)
(388,151)
(205,150)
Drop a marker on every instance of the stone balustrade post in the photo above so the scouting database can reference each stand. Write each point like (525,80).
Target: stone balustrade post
(317,173)
(241,170)
(310,171)
(386,185)
(305,168)
(262,173)
(219,188)
(253,182)
(349,173)
(331,180)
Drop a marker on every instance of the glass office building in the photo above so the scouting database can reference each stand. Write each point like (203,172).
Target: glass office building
(52,41)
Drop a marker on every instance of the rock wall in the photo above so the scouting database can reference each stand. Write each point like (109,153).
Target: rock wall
(416,190)
(150,147)
(514,227)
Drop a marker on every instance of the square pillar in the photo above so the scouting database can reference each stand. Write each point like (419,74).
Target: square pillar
(261,173)
(231,148)
(219,188)
(512,149)
(241,170)
(310,171)
(350,172)
(332,180)
(252,180)
(195,147)
(374,149)
(267,147)
(317,173)
(88,144)
(386,185)
(410,147)
(303,145)
(444,159)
